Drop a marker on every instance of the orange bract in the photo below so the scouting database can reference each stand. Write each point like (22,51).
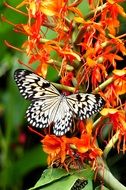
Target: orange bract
(118,120)
(62,147)
(118,87)
(54,147)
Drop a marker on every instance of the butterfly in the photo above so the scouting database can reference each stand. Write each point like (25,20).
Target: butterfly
(50,107)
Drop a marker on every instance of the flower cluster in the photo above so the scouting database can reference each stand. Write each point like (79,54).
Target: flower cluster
(85,50)
(83,148)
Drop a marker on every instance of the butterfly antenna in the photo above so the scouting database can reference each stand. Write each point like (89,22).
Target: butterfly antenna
(36,132)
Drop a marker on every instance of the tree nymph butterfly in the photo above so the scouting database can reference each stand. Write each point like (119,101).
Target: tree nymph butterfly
(48,106)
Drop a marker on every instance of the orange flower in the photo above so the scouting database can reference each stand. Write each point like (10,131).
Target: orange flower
(53,7)
(118,120)
(86,146)
(98,75)
(107,57)
(94,70)
(118,87)
(67,53)
(67,80)
(120,81)
(48,7)
(119,45)
(60,148)
(95,152)
(109,16)
(82,145)
(55,147)
(90,30)
(111,96)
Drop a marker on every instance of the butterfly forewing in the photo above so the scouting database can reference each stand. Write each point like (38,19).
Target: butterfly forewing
(32,86)
(84,105)
(50,107)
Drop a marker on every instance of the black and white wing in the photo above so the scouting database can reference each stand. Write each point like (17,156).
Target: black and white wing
(32,86)
(41,114)
(85,105)
(48,105)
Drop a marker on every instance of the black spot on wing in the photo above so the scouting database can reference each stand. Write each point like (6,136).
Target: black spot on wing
(79,97)
(45,85)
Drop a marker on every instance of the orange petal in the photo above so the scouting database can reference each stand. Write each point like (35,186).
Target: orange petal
(119,72)
(107,111)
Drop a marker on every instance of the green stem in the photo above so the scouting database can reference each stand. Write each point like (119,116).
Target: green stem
(72,89)
(110,144)
(51,25)
(105,175)
(63,87)
(103,85)
(98,9)
(75,3)
(58,64)
(96,123)
(45,40)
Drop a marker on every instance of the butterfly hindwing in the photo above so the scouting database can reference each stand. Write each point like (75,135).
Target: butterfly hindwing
(42,114)
(64,117)
(36,116)
(32,86)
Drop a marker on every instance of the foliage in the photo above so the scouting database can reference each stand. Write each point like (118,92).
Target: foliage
(81,45)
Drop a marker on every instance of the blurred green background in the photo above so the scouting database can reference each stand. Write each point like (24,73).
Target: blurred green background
(21,157)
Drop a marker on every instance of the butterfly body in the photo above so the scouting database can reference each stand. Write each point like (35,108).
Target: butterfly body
(48,106)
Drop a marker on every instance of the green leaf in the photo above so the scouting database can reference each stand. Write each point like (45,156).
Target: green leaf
(101,187)
(86,172)
(52,176)
(89,186)
(84,7)
(65,182)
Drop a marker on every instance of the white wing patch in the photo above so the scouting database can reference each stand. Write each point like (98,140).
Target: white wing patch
(50,107)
